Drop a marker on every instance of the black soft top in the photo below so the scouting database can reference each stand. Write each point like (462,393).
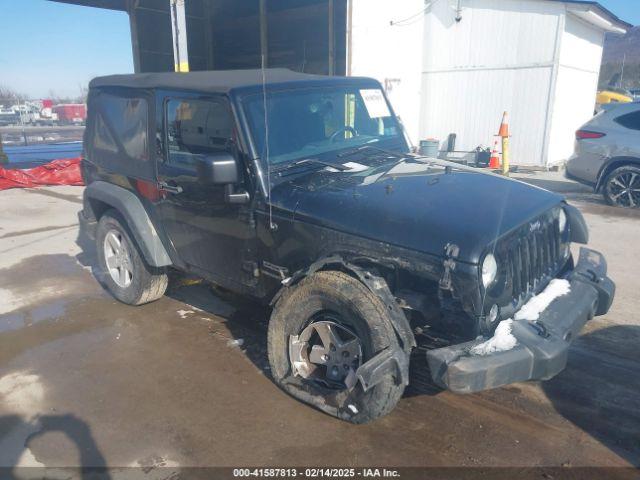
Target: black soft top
(221,81)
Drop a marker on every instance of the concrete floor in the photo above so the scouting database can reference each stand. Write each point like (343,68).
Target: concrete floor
(85,380)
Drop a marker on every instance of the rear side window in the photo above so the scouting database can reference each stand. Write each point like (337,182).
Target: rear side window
(119,131)
(630,120)
(196,127)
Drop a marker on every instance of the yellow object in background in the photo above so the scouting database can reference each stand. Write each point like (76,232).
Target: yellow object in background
(609,96)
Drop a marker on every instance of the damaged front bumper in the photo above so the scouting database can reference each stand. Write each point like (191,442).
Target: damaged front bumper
(543,344)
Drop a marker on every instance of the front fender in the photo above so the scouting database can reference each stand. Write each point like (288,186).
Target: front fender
(377,285)
(577,226)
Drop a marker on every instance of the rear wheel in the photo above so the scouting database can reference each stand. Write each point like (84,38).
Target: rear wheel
(320,332)
(622,187)
(122,268)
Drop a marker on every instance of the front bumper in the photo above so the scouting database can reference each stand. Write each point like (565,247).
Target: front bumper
(543,345)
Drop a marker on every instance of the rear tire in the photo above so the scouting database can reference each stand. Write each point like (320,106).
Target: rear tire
(351,306)
(622,187)
(121,267)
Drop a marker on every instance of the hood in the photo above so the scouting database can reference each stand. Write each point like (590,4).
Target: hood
(416,205)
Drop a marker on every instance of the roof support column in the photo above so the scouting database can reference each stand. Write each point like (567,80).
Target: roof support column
(133,27)
(179,31)
(264,46)
(208,13)
(332,40)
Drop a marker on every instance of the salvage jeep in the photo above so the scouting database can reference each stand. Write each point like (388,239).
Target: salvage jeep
(301,192)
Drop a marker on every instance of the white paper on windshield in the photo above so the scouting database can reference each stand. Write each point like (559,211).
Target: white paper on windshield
(351,167)
(355,167)
(375,103)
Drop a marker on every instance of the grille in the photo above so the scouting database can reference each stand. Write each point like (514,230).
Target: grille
(534,256)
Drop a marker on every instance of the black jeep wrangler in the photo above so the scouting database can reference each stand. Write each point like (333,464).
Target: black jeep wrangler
(301,191)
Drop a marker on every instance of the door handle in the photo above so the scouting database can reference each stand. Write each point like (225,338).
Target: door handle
(167,187)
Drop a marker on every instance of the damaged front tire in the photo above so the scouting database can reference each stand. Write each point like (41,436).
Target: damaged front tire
(321,332)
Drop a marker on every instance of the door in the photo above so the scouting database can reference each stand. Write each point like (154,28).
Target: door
(209,234)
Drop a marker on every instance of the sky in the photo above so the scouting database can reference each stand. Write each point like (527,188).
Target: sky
(627,10)
(49,46)
(54,46)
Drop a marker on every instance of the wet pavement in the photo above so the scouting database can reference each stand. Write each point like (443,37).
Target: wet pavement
(85,380)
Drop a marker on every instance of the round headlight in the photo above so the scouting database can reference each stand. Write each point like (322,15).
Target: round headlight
(562,220)
(489,270)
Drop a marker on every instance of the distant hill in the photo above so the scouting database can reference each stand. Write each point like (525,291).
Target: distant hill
(615,49)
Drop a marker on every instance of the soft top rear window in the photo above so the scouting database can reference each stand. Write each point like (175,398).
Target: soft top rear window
(119,132)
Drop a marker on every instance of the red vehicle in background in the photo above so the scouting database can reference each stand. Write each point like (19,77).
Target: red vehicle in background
(71,113)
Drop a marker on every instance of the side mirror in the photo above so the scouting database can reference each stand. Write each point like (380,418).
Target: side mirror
(218,169)
(222,170)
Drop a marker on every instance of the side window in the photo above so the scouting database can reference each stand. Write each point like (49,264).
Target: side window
(103,140)
(121,126)
(118,133)
(630,120)
(196,127)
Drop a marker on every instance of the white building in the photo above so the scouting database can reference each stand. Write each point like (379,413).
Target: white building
(454,66)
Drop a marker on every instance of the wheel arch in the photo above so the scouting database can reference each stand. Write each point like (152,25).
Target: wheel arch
(611,165)
(100,197)
(374,282)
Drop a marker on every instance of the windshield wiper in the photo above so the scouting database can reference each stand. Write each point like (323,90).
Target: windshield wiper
(369,147)
(307,161)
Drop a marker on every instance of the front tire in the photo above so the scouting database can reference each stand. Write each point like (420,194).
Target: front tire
(121,267)
(320,331)
(622,187)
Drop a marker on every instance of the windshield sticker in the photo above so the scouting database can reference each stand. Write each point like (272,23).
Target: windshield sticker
(351,167)
(375,103)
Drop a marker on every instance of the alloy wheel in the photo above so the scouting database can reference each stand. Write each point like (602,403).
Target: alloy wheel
(326,352)
(118,259)
(624,189)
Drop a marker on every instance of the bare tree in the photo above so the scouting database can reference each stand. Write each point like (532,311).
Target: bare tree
(9,96)
(80,98)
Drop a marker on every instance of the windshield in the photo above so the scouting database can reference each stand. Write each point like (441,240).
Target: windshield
(303,123)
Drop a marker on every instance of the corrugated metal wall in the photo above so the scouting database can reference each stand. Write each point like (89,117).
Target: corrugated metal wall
(499,56)
(386,44)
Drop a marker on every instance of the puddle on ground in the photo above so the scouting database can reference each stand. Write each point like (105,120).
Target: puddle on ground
(52,278)
(52,310)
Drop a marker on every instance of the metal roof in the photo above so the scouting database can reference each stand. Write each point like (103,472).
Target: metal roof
(107,4)
(605,13)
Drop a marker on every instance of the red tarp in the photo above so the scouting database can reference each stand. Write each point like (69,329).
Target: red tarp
(57,172)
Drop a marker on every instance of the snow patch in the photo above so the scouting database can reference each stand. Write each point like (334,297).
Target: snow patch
(236,343)
(28,459)
(185,313)
(21,392)
(501,341)
(532,309)
(353,408)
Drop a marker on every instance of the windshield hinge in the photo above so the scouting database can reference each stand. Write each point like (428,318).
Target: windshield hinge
(451,252)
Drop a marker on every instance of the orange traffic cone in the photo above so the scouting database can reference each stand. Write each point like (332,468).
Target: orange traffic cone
(494,161)
(504,126)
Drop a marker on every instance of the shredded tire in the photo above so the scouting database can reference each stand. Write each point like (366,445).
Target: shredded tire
(148,283)
(361,311)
